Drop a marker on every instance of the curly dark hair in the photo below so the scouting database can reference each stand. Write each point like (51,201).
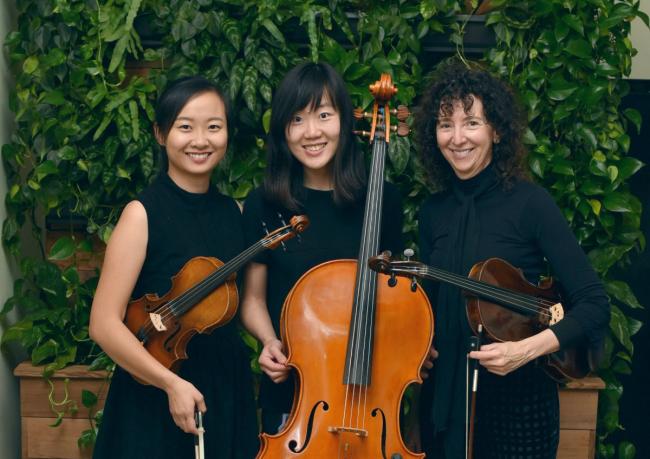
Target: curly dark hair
(455,81)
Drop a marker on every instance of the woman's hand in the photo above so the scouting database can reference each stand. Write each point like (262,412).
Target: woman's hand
(273,361)
(428,362)
(184,400)
(502,358)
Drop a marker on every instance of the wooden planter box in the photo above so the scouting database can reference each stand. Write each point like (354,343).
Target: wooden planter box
(578,414)
(41,441)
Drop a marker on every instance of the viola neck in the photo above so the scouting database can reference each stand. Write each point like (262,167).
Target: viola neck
(517,302)
(360,337)
(202,289)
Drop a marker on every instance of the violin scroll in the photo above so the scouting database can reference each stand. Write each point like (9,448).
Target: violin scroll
(297,225)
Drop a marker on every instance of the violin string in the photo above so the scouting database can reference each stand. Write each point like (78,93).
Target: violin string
(470,283)
(525,302)
(188,298)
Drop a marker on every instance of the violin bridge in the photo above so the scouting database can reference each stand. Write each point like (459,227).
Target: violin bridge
(357,432)
(557,313)
(157,322)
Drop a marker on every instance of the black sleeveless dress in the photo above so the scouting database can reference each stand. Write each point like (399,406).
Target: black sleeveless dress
(137,423)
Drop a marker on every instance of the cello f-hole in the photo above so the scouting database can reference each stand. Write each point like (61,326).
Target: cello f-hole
(293,444)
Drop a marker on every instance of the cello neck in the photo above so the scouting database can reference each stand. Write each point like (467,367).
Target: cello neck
(360,337)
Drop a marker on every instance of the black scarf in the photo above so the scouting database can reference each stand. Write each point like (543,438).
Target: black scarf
(452,329)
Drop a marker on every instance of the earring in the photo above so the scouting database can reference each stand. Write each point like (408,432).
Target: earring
(496,140)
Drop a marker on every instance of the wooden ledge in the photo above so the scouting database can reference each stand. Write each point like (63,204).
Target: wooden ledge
(27,370)
(588,383)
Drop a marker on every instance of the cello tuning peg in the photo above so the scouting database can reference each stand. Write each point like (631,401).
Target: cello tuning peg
(392,280)
(408,253)
(402,112)
(414,284)
(360,114)
(362,133)
(403,129)
(265,228)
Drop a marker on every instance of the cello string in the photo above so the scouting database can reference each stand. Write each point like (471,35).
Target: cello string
(372,278)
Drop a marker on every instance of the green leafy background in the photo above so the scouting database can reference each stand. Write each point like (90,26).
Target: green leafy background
(87,73)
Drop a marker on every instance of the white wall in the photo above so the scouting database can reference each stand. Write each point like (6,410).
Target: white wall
(641,41)
(9,407)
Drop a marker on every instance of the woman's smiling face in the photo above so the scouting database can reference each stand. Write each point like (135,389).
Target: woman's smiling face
(465,139)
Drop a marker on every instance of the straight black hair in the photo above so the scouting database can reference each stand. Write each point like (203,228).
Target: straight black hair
(304,86)
(175,96)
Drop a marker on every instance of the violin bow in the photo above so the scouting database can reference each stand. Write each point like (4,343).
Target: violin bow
(199,448)
(471,386)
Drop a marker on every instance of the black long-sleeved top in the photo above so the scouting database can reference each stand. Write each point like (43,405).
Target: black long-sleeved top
(334,232)
(525,227)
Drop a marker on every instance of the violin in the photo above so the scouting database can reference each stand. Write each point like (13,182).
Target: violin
(354,343)
(503,303)
(203,297)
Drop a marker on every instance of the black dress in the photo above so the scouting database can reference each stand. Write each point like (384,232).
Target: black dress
(477,219)
(334,233)
(137,423)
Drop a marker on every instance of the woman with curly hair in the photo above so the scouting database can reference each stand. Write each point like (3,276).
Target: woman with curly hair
(469,132)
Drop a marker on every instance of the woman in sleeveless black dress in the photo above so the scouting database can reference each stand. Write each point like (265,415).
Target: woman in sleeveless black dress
(178,217)
(313,168)
(469,130)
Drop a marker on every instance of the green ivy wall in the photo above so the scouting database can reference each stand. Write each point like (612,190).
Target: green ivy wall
(83,144)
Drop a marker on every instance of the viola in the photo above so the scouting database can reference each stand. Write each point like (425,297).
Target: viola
(504,303)
(354,343)
(203,297)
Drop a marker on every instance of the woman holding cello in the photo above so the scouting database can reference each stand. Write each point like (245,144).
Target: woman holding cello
(469,128)
(178,217)
(315,168)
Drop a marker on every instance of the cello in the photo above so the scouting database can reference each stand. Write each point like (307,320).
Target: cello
(355,344)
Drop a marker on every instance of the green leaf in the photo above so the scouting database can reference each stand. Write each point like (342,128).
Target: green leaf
(634,116)
(266,121)
(428,8)
(135,119)
(103,125)
(88,398)
(626,450)
(44,169)
(623,293)
(628,166)
(62,249)
(249,88)
(45,351)
(274,31)
(30,65)
(617,202)
(118,52)
(619,326)
(398,153)
(236,78)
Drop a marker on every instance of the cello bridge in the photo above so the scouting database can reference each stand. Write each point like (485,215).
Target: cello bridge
(357,432)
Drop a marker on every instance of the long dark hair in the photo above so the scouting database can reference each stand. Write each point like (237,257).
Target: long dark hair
(454,81)
(304,86)
(175,96)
